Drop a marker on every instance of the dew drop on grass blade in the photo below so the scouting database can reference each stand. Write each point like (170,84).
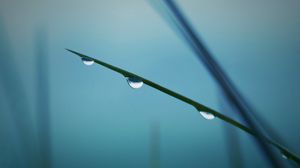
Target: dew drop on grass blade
(207,115)
(135,82)
(87,61)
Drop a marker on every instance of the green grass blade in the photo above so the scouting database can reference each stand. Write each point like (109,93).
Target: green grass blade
(198,106)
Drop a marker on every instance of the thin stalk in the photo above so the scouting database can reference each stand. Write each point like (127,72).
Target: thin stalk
(12,139)
(232,136)
(198,106)
(19,110)
(233,147)
(155,145)
(43,107)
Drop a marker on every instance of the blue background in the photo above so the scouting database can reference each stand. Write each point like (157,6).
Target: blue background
(97,120)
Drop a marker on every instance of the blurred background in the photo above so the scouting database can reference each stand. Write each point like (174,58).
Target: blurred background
(56,112)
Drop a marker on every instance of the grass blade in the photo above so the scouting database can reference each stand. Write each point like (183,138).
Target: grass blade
(198,106)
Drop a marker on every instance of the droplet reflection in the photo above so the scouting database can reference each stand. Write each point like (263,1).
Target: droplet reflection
(207,115)
(87,61)
(135,82)
(284,156)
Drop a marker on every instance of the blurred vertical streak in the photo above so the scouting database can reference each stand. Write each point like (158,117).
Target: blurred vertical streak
(155,145)
(19,118)
(43,108)
(159,6)
(231,136)
(232,94)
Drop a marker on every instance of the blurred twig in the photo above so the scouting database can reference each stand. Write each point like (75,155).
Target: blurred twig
(231,136)
(17,100)
(43,100)
(155,145)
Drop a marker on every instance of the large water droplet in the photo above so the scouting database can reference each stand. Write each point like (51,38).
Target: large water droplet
(87,61)
(207,115)
(135,82)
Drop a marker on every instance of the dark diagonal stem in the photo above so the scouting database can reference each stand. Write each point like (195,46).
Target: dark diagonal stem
(195,104)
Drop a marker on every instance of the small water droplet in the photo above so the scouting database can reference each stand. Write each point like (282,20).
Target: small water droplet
(87,61)
(135,82)
(207,115)
(284,156)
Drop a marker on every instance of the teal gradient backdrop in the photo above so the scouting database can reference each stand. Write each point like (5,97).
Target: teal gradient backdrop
(97,120)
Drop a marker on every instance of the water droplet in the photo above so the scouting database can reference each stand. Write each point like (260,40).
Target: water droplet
(284,156)
(135,82)
(207,115)
(87,61)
